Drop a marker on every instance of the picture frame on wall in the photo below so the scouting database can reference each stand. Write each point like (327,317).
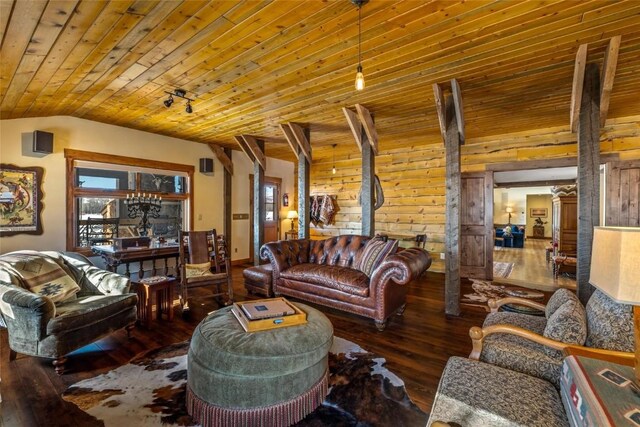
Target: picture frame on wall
(20,200)
(538,212)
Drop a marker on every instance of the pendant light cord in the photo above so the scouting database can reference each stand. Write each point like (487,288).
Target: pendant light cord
(359,36)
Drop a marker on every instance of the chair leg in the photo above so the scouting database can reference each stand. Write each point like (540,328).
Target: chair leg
(59,365)
(12,355)
(130,328)
(400,311)
(381,324)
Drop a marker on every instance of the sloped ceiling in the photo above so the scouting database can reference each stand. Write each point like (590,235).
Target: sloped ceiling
(251,65)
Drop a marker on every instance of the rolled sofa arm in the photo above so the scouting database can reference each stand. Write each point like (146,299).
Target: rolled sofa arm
(25,313)
(401,268)
(284,254)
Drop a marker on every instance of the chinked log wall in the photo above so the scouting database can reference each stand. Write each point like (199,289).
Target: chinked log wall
(413,176)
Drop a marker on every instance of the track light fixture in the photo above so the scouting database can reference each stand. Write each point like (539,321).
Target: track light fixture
(359,75)
(180,93)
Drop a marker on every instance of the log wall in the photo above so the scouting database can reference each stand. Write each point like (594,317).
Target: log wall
(413,176)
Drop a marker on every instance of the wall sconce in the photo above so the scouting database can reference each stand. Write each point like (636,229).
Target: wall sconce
(180,93)
(206,165)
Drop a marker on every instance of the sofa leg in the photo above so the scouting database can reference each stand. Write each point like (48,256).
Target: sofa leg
(59,365)
(381,324)
(400,311)
(12,355)
(130,328)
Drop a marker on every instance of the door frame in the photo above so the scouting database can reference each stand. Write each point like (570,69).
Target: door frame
(267,180)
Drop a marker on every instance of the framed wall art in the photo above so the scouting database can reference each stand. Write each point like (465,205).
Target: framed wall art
(538,212)
(20,200)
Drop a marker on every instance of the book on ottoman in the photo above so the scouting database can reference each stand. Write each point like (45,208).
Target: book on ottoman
(264,314)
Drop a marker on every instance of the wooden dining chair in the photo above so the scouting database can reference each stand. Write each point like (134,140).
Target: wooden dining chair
(204,262)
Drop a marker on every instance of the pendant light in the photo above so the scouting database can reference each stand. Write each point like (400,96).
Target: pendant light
(359,75)
(333,171)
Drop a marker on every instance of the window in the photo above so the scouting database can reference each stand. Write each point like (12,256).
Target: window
(98,209)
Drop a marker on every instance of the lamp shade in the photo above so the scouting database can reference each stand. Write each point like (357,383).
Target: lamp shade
(292,215)
(509,209)
(615,263)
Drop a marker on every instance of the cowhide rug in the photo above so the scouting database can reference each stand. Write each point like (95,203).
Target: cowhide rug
(150,391)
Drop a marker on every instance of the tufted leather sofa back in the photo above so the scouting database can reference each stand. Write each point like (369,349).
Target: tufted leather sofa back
(341,250)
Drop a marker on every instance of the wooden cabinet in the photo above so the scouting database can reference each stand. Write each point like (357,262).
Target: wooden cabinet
(538,231)
(565,224)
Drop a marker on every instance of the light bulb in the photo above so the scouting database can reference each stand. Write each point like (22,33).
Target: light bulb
(333,171)
(359,79)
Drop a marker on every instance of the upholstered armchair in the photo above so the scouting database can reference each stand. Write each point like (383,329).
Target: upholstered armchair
(533,345)
(39,327)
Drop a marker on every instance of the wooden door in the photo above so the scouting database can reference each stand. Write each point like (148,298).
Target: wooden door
(272,210)
(476,225)
(622,194)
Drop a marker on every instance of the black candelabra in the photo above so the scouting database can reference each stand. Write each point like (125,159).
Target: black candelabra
(144,206)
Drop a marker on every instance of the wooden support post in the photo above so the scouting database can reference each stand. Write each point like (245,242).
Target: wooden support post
(223,157)
(366,118)
(576,89)
(258,206)
(304,169)
(256,150)
(227,200)
(608,71)
(354,125)
(588,177)
(300,135)
(244,147)
(367,191)
(452,212)
(439,100)
(291,139)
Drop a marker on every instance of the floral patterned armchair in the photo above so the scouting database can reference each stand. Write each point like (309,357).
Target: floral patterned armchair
(533,345)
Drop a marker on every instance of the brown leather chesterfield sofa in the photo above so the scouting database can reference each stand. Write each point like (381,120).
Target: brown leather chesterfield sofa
(320,271)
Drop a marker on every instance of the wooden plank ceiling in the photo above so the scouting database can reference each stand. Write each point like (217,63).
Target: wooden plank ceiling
(251,65)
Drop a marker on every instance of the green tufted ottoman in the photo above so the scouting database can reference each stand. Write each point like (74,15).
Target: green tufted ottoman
(268,378)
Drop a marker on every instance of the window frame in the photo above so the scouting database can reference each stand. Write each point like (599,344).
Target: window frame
(73,192)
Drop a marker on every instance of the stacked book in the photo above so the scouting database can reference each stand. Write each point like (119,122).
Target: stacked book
(265,314)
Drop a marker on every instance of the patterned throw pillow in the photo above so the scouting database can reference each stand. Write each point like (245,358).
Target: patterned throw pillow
(558,298)
(42,275)
(567,324)
(374,252)
(197,270)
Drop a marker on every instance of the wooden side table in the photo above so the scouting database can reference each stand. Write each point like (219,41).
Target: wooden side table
(291,235)
(160,289)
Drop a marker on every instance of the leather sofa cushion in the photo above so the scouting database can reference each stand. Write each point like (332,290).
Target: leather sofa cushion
(83,312)
(344,279)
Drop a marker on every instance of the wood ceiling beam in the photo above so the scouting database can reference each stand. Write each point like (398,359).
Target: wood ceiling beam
(291,139)
(608,72)
(369,127)
(576,88)
(302,140)
(256,150)
(457,102)
(439,100)
(244,147)
(222,157)
(354,125)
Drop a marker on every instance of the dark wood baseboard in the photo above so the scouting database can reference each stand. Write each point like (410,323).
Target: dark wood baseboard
(241,261)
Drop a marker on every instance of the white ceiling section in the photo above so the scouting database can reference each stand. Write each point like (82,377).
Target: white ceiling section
(536,175)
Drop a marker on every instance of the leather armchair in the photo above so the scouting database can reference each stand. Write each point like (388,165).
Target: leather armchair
(38,327)
(322,271)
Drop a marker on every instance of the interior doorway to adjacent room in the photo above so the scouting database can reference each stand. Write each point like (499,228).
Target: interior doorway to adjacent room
(524,204)
(272,186)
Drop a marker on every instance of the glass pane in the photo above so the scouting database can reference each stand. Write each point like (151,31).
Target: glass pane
(100,219)
(268,194)
(163,183)
(104,179)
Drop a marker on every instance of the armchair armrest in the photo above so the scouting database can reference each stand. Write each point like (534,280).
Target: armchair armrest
(619,357)
(495,304)
(25,313)
(478,335)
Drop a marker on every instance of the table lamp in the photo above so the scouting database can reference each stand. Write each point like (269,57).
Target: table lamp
(292,215)
(615,270)
(509,211)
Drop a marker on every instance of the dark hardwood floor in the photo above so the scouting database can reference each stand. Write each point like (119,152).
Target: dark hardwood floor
(416,347)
